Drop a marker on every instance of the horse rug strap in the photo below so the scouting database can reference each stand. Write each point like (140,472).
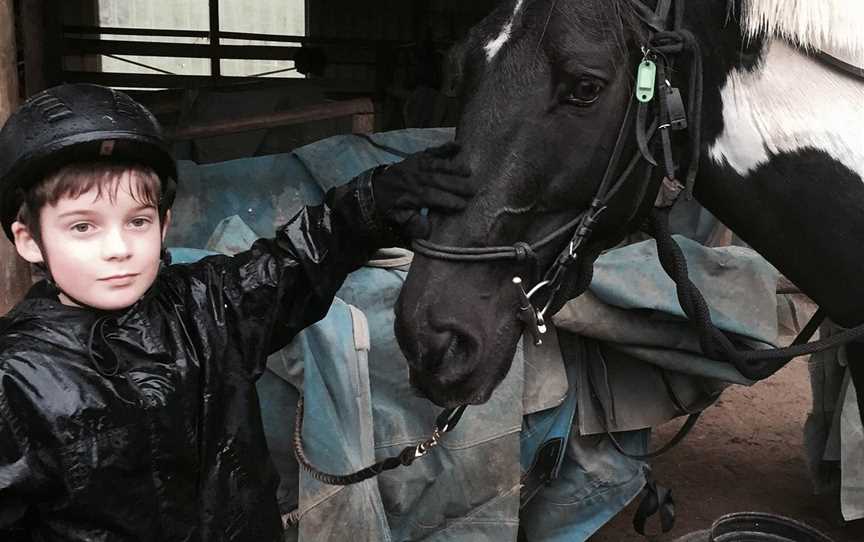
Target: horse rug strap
(543,447)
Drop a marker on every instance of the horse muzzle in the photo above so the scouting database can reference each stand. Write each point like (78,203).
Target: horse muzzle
(450,394)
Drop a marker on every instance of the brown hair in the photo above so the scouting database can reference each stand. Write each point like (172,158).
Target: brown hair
(75,179)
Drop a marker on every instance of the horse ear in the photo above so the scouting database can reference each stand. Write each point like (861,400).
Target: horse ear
(454,69)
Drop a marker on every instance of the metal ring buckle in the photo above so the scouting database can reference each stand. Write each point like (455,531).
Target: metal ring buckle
(646,52)
(541,323)
(574,244)
(529,314)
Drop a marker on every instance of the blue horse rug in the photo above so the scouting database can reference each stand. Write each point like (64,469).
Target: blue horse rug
(359,407)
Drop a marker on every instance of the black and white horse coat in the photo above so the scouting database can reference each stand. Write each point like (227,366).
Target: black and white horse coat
(782,158)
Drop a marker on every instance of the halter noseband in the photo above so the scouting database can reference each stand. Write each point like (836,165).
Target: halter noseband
(646,116)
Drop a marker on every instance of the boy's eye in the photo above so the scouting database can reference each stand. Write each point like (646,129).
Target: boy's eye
(81,227)
(139,222)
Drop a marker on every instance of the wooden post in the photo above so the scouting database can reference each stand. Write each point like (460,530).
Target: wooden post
(14,272)
(33,37)
(52,43)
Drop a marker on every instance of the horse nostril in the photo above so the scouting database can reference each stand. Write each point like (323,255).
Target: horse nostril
(447,355)
(437,343)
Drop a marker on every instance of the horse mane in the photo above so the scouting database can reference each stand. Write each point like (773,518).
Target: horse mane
(833,26)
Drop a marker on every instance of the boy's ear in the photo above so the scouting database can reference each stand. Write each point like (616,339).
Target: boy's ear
(26,244)
(165,223)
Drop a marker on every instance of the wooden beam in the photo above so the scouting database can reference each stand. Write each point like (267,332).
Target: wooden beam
(361,108)
(183,50)
(117,31)
(79,31)
(147,80)
(14,272)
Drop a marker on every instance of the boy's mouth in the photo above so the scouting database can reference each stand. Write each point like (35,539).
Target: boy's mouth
(119,278)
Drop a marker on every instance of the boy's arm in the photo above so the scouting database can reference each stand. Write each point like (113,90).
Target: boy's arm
(287,283)
(282,285)
(16,478)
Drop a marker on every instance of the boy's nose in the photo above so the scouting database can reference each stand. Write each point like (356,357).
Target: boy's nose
(115,246)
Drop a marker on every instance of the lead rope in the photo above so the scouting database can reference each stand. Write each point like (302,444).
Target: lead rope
(753,364)
(714,342)
(803,336)
(445,423)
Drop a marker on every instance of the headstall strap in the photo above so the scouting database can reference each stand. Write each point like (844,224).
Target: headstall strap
(653,86)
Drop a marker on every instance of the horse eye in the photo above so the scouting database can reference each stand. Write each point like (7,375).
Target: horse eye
(585,92)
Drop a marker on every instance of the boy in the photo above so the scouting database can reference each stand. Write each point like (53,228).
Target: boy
(127,399)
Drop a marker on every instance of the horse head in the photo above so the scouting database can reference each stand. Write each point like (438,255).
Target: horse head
(545,87)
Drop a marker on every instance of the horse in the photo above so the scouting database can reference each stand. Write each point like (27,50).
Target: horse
(548,117)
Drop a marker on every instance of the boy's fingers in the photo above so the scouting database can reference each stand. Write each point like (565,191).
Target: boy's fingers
(447,150)
(460,186)
(442,200)
(413,223)
(447,168)
(444,163)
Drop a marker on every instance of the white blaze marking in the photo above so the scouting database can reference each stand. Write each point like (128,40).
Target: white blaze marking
(495,45)
(788,103)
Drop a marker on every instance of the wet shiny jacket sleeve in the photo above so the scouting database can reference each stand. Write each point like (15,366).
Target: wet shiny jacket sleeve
(284,284)
(18,478)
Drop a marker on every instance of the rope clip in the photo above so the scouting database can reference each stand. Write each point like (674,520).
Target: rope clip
(445,423)
(424,447)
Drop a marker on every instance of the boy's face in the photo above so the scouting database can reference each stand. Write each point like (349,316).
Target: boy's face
(103,253)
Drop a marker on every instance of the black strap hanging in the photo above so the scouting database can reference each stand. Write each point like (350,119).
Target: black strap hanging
(656,499)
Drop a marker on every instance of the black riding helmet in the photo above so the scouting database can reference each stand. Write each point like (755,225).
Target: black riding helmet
(78,123)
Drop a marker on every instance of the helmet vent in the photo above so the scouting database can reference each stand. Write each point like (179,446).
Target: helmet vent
(124,106)
(51,108)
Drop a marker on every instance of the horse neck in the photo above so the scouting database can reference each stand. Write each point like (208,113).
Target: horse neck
(782,166)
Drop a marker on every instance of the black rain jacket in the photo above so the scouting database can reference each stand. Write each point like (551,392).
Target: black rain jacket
(144,424)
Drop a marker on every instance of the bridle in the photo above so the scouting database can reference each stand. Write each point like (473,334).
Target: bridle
(655,108)
(647,117)
(557,283)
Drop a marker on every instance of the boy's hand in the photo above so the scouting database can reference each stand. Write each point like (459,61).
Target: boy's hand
(431,180)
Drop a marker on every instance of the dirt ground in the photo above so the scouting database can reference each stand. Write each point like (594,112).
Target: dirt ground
(745,454)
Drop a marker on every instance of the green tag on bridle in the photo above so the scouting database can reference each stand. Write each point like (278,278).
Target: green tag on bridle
(646,75)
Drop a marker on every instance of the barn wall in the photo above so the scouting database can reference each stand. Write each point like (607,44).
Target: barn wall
(393,34)
(444,21)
